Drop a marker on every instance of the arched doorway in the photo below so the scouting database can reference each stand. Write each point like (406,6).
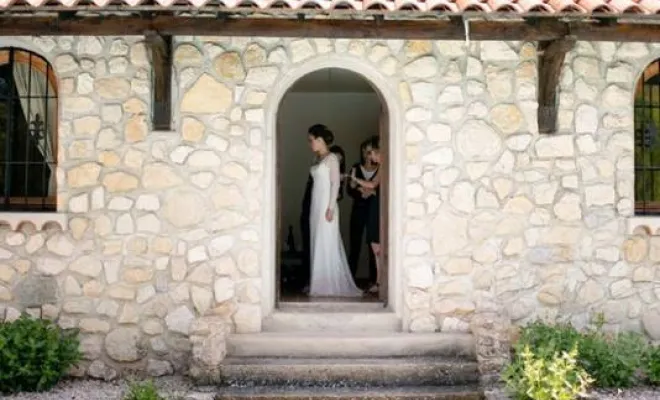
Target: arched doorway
(354,111)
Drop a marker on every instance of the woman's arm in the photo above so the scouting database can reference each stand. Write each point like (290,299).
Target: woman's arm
(335,180)
(352,188)
(372,184)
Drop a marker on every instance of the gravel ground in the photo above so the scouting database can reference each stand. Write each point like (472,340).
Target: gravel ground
(173,388)
(178,388)
(628,394)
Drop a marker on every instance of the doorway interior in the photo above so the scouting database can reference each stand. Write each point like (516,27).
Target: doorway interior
(354,111)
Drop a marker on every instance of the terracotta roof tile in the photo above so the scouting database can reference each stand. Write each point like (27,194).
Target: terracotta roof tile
(549,7)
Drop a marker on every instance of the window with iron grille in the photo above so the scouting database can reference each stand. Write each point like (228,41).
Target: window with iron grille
(28,132)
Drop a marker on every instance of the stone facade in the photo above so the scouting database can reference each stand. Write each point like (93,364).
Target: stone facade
(165,228)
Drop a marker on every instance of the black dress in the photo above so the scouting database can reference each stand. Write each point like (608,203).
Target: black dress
(373,218)
(304,228)
(359,221)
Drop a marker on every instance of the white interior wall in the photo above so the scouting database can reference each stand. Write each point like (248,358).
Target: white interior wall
(352,117)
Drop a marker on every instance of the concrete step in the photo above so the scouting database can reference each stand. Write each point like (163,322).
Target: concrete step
(350,345)
(305,321)
(368,393)
(332,306)
(377,372)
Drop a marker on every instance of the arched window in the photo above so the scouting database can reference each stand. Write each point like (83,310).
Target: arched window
(28,132)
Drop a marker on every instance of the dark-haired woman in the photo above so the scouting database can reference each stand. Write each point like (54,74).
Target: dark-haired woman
(331,275)
(366,170)
(373,215)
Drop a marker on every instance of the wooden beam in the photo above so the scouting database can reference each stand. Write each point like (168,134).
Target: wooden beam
(545,29)
(161,60)
(551,56)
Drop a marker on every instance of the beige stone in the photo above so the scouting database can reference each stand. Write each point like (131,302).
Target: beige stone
(6,273)
(137,275)
(121,292)
(184,208)
(87,266)
(112,88)
(635,249)
(207,96)
(187,54)
(117,182)
(93,325)
(93,289)
(192,130)
(159,176)
(507,117)
(83,175)
(134,106)
(161,245)
(109,158)
(136,129)
(228,65)
(87,126)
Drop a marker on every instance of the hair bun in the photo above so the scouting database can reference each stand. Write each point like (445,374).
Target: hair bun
(328,136)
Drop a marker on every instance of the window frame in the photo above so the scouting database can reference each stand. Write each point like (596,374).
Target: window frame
(34,204)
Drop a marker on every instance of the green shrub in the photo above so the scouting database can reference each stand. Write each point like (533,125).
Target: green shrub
(652,365)
(35,354)
(142,391)
(611,360)
(539,378)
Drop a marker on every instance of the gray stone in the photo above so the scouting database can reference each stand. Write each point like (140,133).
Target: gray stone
(123,344)
(179,320)
(157,368)
(34,291)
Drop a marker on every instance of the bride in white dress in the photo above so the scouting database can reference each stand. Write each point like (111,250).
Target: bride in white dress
(330,275)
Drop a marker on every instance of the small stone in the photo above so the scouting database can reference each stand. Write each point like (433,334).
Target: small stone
(158,368)
(228,66)
(99,370)
(224,289)
(123,344)
(635,249)
(424,67)
(179,320)
(112,88)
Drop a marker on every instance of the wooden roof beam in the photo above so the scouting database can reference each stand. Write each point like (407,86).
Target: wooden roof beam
(431,29)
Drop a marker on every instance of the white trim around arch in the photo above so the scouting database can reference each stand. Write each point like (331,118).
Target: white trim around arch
(389,96)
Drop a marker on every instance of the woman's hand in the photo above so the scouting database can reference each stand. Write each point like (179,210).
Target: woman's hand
(329,214)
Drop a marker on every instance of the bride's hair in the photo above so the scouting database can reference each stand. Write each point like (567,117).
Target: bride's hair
(322,131)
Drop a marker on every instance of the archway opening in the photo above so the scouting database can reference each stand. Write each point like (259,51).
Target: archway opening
(349,106)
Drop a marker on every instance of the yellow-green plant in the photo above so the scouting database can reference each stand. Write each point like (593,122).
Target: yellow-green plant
(142,391)
(557,378)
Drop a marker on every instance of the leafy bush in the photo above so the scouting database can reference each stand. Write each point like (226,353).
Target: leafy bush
(652,365)
(611,360)
(557,378)
(35,354)
(142,391)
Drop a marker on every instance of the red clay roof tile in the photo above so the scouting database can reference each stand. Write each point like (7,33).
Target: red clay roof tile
(518,7)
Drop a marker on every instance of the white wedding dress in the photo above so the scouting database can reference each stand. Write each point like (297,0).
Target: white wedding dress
(331,275)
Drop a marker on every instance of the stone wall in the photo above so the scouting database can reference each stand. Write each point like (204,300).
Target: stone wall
(166,227)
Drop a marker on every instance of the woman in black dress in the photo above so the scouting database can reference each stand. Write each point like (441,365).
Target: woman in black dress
(373,213)
(366,170)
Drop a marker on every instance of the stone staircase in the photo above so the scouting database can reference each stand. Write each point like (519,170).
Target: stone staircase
(346,351)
